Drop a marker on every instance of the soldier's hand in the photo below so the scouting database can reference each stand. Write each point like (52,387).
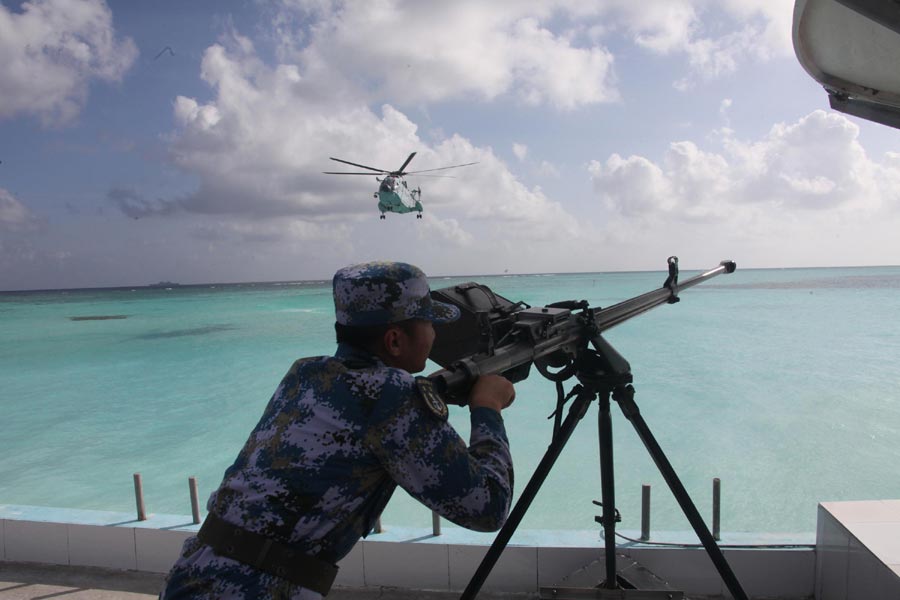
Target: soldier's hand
(492,391)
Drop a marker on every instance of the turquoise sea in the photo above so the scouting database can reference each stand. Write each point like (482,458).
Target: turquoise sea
(785,384)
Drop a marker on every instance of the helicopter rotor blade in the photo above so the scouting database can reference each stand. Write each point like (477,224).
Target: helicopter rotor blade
(403,166)
(348,173)
(443,176)
(442,168)
(347,162)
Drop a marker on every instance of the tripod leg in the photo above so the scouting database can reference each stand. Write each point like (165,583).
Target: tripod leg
(625,397)
(576,412)
(607,484)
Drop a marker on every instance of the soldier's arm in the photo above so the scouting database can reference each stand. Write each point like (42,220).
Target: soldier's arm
(470,485)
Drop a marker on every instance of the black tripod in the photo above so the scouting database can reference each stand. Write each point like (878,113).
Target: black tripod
(603,374)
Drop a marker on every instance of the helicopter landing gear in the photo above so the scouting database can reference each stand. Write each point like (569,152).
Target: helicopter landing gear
(419,216)
(381,217)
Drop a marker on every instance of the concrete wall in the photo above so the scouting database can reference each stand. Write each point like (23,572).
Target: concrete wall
(858,550)
(407,558)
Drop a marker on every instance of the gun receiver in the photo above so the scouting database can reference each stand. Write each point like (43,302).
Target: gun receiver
(495,335)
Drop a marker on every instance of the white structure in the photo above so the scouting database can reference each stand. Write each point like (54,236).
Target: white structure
(856,555)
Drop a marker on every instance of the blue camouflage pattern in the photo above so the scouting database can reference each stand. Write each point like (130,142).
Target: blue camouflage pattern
(337,437)
(378,293)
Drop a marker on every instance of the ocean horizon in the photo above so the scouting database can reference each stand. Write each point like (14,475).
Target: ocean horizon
(160,284)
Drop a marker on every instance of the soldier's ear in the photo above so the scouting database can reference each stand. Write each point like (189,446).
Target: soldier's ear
(393,341)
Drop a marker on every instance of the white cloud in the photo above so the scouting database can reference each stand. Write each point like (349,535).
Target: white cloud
(813,164)
(549,70)
(520,150)
(14,215)
(663,26)
(715,37)
(51,51)
(492,193)
(818,185)
(774,24)
(547,169)
(804,194)
(412,51)
(632,186)
(544,169)
(444,231)
(542,52)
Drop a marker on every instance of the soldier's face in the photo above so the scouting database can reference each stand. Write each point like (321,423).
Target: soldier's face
(415,346)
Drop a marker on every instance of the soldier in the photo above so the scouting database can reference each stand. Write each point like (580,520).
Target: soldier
(337,437)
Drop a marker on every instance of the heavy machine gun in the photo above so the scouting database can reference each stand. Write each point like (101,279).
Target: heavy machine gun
(496,336)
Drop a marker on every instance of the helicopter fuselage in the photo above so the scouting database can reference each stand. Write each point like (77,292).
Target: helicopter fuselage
(395,196)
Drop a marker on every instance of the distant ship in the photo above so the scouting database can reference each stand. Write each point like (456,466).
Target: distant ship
(164,284)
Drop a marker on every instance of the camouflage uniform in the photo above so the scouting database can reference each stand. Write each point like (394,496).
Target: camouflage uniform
(338,436)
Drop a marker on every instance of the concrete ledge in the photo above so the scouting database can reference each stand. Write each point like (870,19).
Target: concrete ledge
(858,550)
(29,541)
(414,558)
(94,546)
(37,534)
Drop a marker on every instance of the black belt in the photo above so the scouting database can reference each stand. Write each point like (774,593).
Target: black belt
(266,554)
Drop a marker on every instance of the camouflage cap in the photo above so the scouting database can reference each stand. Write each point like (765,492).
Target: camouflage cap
(378,293)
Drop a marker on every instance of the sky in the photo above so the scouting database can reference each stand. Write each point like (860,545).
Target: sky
(164,140)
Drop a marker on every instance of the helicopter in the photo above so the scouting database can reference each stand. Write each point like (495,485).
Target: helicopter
(393,194)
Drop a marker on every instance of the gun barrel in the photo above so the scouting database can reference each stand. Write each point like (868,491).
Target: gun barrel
(609,317)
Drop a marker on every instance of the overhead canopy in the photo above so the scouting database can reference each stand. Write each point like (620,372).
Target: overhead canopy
(852,47)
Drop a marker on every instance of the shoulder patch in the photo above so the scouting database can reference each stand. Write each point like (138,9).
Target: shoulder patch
(432,399)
